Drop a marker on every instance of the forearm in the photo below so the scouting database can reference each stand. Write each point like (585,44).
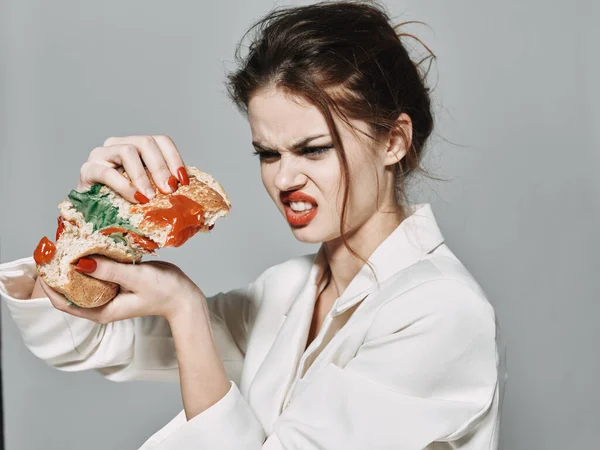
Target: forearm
(37,292)
(63,341)
(202,374)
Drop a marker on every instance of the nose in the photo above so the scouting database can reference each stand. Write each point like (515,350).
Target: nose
(289,176)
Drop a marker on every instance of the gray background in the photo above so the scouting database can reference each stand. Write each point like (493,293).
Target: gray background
(517,103)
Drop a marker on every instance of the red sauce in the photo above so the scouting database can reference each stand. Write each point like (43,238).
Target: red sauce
(111,230)
(45,251)
(185,216)
(144,242)
(61,227)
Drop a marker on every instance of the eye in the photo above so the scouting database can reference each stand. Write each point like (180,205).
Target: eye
(315,151)
(270,156)
(265,155)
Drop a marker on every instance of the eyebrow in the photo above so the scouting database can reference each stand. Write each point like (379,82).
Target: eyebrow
(297,145)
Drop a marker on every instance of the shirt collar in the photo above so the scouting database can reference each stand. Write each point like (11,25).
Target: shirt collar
(416,236)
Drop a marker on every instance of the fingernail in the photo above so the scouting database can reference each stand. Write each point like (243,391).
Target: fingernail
(140,197)
(173,183)
(86,265)
(210,227)
(183,176)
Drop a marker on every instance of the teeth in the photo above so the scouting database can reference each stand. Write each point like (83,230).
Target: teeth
(300,206)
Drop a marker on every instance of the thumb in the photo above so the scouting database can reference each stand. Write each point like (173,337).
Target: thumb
(103,268)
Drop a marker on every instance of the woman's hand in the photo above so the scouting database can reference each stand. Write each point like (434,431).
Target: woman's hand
(152,288)
(129,154)
(147,288)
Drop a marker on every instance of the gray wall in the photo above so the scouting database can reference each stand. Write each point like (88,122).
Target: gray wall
(517,103)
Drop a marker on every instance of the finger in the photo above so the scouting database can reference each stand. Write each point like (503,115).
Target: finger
(125,157)
(162,263)
(93,172)
(128,156)
(124,274)
(170,153)
(152,157)
(119,308)
(101,314)
(58,300)
(125,306)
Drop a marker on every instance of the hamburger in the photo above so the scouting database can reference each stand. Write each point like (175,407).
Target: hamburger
(101,222)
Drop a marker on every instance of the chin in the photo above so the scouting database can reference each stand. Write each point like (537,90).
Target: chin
(313,233)
(304,234)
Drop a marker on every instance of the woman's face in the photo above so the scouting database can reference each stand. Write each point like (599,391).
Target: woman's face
(301,171)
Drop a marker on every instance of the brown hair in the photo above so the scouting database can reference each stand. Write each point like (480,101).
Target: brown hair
(345,58)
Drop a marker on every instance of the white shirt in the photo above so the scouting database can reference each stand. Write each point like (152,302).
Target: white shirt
(410,364)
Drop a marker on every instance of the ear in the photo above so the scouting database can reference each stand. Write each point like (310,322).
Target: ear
(396,148)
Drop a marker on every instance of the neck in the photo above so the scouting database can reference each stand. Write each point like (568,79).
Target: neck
(343,265)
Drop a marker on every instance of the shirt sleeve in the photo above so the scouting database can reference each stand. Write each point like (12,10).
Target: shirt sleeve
(141,348)
(425,372)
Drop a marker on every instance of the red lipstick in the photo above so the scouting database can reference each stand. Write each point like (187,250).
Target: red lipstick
(298,218)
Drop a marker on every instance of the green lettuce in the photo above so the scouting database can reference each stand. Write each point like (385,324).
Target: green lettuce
(120,237)
(98,210)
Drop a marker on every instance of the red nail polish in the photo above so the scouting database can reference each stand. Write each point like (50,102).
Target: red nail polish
(140,197)
(183,176)
(86,265)
(173,183)
(210,227)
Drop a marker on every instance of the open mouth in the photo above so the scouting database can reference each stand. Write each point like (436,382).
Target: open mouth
(300,208)
(300,218)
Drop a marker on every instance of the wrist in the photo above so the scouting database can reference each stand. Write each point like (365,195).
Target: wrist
(187,303)
(37,292)
(202,374)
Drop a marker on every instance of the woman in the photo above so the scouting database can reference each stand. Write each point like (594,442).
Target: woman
(381,340)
